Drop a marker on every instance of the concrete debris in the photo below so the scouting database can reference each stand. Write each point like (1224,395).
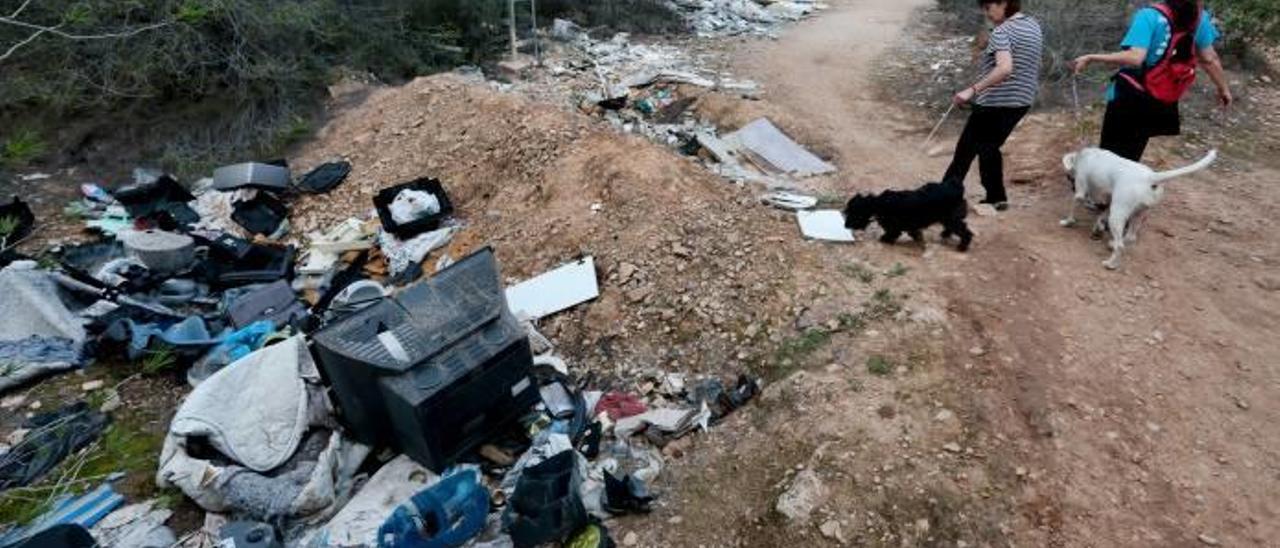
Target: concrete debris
(711,18)
(774,152)
(802,497)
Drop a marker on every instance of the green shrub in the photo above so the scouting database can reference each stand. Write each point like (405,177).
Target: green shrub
(24,147)
(879,365)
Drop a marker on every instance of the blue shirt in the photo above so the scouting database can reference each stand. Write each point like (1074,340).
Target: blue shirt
(1151,31)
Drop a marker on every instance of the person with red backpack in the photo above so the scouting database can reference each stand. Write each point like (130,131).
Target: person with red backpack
(1165,44)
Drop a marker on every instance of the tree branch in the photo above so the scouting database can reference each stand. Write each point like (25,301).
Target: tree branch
(69,36)
(18,11)
(19,45)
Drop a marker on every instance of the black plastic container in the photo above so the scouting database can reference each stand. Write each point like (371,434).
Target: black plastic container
(383,200)
(435,371)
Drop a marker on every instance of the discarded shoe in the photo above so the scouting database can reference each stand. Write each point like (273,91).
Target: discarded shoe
(626,495)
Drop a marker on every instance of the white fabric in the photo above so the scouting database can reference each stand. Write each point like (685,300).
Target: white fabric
(135,526)
(402,253)
(358,522)
(254,410)
(29,305)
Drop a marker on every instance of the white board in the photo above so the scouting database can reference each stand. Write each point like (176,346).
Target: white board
(554,291)
(826,225)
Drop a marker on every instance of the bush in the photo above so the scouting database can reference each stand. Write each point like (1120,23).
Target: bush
(1251,21)
(241,73)
(21,149)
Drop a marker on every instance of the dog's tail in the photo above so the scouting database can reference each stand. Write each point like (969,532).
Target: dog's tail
(1202,164)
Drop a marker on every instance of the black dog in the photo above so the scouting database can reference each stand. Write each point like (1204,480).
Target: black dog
(911,211)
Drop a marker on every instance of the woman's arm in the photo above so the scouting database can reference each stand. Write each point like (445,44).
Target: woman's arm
(1213,66)
(1004,69)
(1132,57)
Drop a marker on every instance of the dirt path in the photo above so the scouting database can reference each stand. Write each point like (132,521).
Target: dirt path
(1082,407)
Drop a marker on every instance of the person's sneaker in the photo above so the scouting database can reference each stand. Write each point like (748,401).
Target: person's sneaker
(999,206)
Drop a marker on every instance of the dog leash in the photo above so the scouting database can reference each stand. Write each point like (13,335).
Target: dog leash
(1075,98)
(939,126)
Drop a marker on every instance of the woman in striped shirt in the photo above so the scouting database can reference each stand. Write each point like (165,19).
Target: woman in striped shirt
(1008,87)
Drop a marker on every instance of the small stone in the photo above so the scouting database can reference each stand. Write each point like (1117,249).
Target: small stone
(92,385)
(1243,405)
(1021,472)
(831,530)
(952,447)
(922,526)
(626,271)
(35,405)
(977,351)
(676,520)
(630,539)
(13,401)
(804,496)
(1267,283)
(16,437)
(984,210)
(1208,540)
(112,402)
(944,415)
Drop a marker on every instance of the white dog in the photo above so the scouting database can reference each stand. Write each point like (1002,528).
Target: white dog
(1131,189)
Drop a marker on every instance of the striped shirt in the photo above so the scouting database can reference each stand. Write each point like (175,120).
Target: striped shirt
(1021,36)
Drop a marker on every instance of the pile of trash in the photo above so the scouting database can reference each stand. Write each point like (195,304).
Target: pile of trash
(653,91)
(733,17)
(376,383)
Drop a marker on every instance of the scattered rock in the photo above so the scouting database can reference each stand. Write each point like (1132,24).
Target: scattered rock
(16,437)
(831,530)
(630,539)
(1243,405)
(92,385)
(626,271)
(944,415)
(13,401)
(977,351)
(804,495)
(1267,283)
(35,405)
(1208,540)
(952,447)
(112,403)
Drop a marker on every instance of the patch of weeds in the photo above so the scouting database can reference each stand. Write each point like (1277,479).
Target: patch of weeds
(193,13)
(897,271)
(159,361)
(804,345)
(884,304)
(858,272)
(879,365)
(47,262)
(295,131)
(168,498)
(831,200)
(8,225)
(792,353)
(21,149)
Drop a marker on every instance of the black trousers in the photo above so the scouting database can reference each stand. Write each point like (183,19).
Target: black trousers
(1133,118)
(987,130)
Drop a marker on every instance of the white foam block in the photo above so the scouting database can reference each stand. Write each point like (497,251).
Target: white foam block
(826,225)
(554,291)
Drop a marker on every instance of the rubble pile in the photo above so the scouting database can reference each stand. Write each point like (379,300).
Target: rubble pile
(259,306)
(733,17)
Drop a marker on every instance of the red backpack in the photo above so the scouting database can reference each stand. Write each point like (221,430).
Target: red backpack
(1170,78)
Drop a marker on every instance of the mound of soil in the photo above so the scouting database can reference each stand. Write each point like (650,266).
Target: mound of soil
(689,275)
